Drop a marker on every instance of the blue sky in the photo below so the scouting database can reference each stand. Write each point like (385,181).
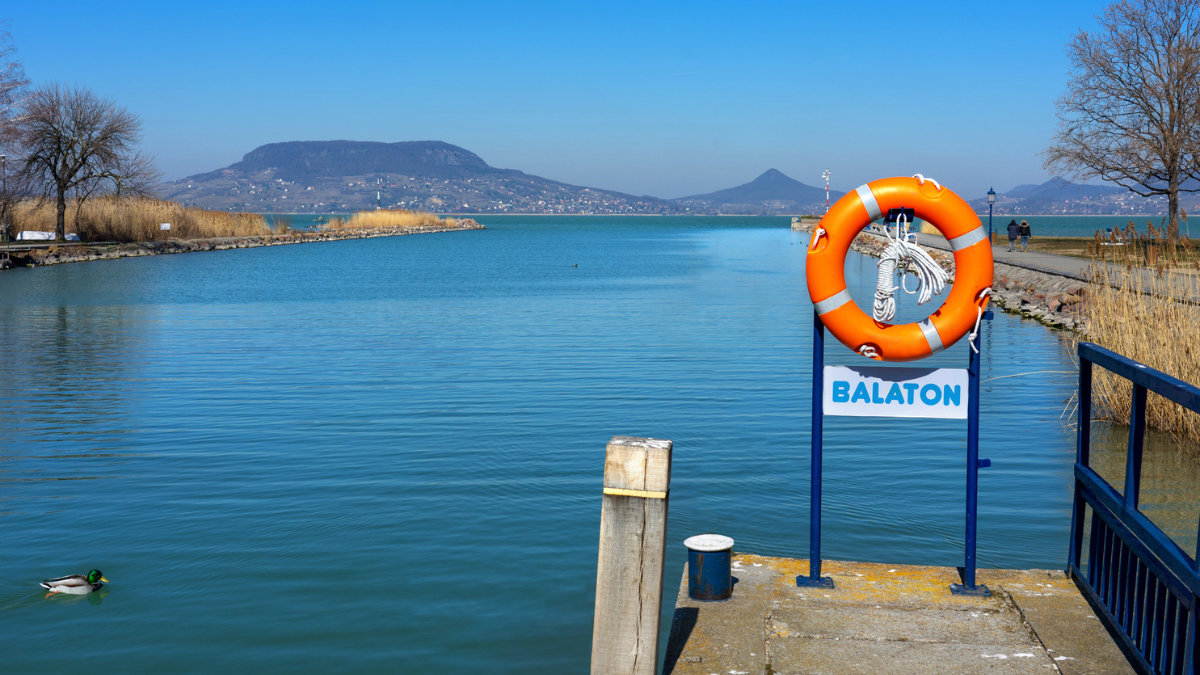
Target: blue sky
(668,100)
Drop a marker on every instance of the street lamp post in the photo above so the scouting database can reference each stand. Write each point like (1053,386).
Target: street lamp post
(826,177)
(991,201)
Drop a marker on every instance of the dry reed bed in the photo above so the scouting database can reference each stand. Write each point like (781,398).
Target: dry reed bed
(1130,313)
(388,219)
(131,220)
(1158,248)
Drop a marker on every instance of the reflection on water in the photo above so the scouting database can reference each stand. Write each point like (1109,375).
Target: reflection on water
(1170,494)
(65,373)
(94,599)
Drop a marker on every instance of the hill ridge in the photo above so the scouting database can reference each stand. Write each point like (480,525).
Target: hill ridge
(330,176)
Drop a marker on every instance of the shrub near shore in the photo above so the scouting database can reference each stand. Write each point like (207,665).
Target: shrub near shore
(136,219)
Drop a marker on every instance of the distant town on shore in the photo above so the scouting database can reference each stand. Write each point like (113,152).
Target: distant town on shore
(335,176)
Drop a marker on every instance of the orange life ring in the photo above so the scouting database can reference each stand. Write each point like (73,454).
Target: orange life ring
(826,269)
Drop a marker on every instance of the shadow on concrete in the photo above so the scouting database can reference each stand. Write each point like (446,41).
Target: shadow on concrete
(681,629)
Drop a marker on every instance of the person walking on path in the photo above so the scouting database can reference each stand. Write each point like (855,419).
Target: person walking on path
(1025,234)
(1013,231)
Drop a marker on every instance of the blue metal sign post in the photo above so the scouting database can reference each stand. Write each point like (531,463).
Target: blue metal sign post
(968,586)
(814,578)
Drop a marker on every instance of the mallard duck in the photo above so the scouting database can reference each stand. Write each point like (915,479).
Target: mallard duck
(76,584)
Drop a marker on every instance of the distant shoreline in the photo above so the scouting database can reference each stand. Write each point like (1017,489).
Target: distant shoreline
(58,255)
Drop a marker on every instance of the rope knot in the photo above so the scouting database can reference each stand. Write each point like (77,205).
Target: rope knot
(817,236)
(921,181)
(978,319)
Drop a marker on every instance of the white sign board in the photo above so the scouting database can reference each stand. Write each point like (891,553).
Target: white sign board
(872,391)
(164,226)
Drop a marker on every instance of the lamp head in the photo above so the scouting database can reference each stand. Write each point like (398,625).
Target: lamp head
(991,196)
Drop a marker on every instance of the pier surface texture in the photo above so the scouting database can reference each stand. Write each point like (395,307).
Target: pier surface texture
(888,619)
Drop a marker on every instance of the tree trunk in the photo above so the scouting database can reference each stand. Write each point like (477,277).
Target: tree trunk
(60,228)
(1172,197)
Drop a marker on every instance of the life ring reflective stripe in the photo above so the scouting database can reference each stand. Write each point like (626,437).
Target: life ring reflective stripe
(826,269)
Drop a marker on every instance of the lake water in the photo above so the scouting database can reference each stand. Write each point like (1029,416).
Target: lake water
(1043,226)
(386,455)
(1079,226)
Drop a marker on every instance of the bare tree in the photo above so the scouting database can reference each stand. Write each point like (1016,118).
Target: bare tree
(1130,115)
(74,144)
(13,84)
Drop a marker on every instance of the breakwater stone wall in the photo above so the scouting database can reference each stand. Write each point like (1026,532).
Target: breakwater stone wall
(1054,299)
(55,255)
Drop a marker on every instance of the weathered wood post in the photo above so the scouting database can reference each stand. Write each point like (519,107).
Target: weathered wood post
(629,576)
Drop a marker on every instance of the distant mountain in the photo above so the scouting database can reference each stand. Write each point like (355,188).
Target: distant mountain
(307,160)
(1061,188)
(772,192)
(1022,190)
(1061,196)
(333,176)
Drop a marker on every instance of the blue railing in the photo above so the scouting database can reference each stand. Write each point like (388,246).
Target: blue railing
(1144,584)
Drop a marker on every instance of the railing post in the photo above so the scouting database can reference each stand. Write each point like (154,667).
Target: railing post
(1137,435)
(1082,456)
(629,576)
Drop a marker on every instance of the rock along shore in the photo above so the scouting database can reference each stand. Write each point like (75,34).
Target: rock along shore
(55,255)
(1054,299)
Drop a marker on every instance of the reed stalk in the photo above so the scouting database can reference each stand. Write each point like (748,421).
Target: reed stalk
(136,219)
(1158,248)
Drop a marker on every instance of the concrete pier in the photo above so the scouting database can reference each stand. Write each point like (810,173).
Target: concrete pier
(884,619)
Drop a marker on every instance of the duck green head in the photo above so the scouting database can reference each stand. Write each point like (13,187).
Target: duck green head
(96,577)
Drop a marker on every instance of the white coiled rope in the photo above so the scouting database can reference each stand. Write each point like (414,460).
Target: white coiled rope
(901,255)
(978,319)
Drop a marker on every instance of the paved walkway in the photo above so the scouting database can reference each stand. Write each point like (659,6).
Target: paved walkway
(1050,263)
(889,619)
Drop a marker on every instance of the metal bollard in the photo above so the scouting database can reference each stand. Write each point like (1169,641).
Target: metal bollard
(710,574)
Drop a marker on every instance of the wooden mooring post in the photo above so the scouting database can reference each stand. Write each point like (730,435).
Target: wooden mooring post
(629,576)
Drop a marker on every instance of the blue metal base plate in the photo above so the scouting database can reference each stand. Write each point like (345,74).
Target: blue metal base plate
(814,582)
(979,589)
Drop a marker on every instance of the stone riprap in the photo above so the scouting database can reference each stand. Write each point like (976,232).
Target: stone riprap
(888,619)
(55,255)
